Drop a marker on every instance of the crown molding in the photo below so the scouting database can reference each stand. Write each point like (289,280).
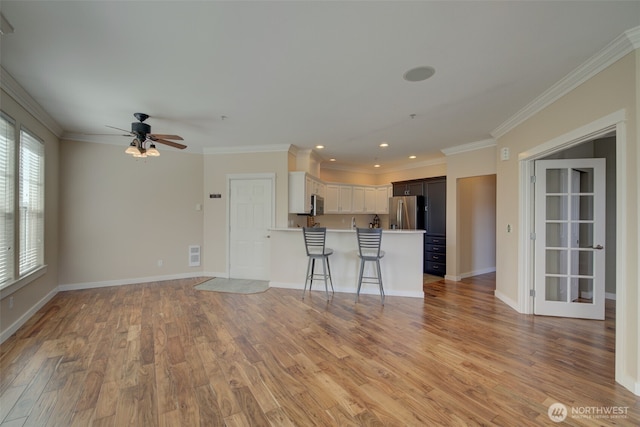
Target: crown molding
(294,149)
(247,149)
(22,97)
(471,146)
(621,46)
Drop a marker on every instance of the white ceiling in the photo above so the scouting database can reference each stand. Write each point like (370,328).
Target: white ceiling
(303,72)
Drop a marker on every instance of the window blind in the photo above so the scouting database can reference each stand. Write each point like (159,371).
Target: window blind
(7,191)
(31,203)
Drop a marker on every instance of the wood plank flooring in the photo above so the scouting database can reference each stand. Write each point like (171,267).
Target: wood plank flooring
(165,354)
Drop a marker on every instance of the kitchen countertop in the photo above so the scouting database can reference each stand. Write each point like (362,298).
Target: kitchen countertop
(402,265)
(348,230)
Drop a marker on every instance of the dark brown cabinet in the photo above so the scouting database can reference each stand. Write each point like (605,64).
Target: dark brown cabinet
(434,191)
(408,188)
(435,225)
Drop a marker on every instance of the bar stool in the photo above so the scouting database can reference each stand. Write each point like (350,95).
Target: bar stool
(314,240)
(369,240)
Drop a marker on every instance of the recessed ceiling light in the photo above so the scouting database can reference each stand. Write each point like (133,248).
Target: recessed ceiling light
(412,157)
(332,160)
(319,147)
(376,166)
(419,74)
(384,145)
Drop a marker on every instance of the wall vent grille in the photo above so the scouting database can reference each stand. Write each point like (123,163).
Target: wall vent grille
(194,256)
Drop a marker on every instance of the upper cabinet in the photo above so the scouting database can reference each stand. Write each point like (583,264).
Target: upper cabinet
(357,200)
(383,193)
(338,198)
(301,187)
(370,205)
(409,188)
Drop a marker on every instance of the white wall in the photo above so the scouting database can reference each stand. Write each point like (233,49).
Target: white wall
(216,169)
(476,225)
(466,164)
(615,89)
(121,216)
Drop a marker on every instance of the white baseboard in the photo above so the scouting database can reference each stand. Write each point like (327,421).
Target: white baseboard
(452,278)
(609,295)
(478,272)
(23,319)
(224,275)
(121,282)
(505,299)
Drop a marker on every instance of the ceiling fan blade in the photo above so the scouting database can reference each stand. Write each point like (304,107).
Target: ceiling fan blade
(123,130)
(157,135)
(170,143)
(105,134)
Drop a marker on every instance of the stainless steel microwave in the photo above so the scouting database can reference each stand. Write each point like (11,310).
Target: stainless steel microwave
(317,205)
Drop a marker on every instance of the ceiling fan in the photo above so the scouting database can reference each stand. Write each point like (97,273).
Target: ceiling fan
(141,133)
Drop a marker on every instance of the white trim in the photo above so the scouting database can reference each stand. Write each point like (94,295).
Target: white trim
(247,149)
(123,282)
(598,128)
(9,288)
(26,316)
(213,274)
(477,272)
(618,48)
(471,146)
(26,101)
(452,278)
(505,299)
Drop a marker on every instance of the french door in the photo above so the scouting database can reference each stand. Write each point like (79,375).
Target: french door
(569,238)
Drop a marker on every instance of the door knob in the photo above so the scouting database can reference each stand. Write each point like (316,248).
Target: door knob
(598,247)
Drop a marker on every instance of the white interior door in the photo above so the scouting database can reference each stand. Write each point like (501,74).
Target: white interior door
(250,218)
(569,238)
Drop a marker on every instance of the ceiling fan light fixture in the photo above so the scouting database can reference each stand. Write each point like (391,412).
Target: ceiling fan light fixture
(153,151)
(132,148)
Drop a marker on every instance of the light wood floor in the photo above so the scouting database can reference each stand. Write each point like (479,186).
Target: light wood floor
(165,354)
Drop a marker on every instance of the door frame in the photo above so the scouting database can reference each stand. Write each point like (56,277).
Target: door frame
(246,176)
(614,122)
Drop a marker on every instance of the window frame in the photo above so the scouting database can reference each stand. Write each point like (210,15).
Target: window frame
(24,139)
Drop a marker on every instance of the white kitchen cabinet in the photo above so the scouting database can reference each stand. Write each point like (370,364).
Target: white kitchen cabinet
(358,199)
(314,186)
(301,187)
(338,199)
(382,199)
(346,198)
(332,199)
(370,200)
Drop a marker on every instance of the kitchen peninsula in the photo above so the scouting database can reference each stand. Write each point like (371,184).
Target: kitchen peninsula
(401,266)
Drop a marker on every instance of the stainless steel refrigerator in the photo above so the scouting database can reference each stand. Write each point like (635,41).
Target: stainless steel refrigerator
(406,213)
